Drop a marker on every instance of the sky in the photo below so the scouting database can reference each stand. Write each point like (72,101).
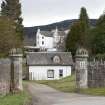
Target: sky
(42,12)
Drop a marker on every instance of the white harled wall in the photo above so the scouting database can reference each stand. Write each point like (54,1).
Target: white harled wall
(40,72)
(48,41)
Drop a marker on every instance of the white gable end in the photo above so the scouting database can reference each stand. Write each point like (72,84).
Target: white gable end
(45,42)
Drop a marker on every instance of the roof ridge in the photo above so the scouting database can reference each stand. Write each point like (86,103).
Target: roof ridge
(47,52)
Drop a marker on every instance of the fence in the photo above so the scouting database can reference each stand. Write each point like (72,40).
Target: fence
(96,74)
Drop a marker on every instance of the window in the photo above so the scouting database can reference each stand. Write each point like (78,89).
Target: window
(61,73)
(42,42)
(50,73)
(42,37)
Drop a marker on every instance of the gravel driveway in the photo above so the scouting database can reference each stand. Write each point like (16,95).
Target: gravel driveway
(44,95)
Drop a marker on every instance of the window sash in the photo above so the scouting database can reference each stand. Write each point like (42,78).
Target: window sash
(50,73)
(60,73)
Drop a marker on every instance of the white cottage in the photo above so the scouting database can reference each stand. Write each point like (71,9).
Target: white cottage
(49,65)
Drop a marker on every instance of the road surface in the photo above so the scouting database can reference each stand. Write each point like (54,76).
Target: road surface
(44,95)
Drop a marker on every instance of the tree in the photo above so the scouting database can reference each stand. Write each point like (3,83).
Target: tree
(85,27)
(12,9)
(73,40)
(8,37)
(78,35)
(84,18)
(101,21)
(98,42)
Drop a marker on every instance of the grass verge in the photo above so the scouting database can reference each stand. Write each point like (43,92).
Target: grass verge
(66,84)
(93,91)
(21,98)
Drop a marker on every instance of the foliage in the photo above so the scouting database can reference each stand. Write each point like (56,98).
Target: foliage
(100,57)
(16,99)
(12,9)
(82,35)
(98,42)
(93,91)
(84,18)
(74,38)
(8,37)
(78,35)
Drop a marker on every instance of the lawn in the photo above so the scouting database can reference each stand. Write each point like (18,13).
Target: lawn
(93,91)
(21,98)
(68,85)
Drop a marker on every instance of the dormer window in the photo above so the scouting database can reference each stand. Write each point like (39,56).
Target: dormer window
(56,59)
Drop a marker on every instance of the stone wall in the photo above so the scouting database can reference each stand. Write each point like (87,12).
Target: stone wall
(96,74)
(5,65)
(89,74)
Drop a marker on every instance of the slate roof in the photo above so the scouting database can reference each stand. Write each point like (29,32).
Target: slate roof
(46,58)
(61,33)
(47,33)
(50,34)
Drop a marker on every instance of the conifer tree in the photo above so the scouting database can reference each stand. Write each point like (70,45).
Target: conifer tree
(12,9)
(84,18)
(73,40)
(98,42)
(78,35)
(8,39)
(85,26)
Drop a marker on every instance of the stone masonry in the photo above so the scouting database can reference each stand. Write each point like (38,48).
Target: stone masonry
(12,65)
(16,59)
(4,76)
(96,74)
(89,74)
(81,68)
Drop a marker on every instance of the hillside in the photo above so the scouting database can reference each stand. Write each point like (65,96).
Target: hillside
(30,32)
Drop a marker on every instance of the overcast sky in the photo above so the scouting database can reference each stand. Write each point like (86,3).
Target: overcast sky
(40,12)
